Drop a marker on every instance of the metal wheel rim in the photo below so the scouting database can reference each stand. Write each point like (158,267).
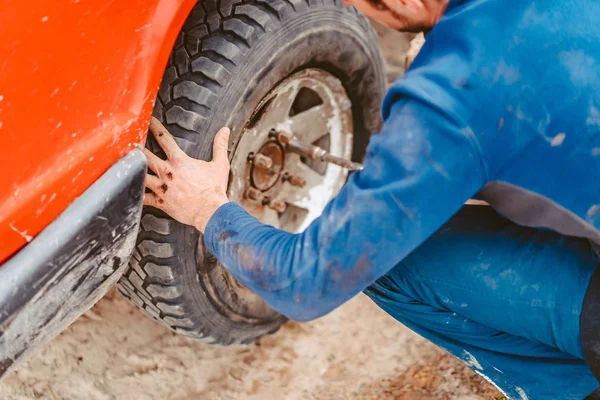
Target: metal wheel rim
(332,120)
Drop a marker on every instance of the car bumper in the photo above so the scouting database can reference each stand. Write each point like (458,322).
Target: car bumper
(72,263)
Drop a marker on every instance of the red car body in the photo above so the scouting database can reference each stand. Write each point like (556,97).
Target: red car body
(78,79)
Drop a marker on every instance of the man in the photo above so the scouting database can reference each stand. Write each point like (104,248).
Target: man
(503,100)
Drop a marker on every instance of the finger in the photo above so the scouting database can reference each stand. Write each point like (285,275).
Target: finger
(415,5)
(153,183)
(164,139)
(150,199)
(154,162)
(220,147)
(404,8)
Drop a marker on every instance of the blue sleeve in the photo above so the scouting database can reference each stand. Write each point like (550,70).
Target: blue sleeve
(418,172)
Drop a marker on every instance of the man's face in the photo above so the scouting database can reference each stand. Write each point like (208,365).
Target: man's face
(403,15)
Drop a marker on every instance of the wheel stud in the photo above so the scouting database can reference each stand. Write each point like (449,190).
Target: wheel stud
(294,180)
(277,205)
(254,194)
(284,137)
(261,161)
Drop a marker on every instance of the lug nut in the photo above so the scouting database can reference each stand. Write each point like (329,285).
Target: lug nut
(277,205)
(253,194)
(261,161)
(284,137)
(294,180)
(297,181)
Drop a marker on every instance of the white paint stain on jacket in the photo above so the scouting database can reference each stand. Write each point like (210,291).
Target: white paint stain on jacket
(470,361)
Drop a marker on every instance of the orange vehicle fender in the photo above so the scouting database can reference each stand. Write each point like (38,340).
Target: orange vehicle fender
(78,79)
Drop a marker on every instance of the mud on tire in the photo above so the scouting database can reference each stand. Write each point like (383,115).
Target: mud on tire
(228,56)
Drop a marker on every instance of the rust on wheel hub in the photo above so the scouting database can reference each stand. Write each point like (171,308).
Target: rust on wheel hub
(265,178)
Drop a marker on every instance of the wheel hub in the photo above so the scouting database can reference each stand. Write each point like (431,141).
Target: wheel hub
(264,177)
(273,182)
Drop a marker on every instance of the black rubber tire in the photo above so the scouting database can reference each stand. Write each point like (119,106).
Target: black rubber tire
(228,56)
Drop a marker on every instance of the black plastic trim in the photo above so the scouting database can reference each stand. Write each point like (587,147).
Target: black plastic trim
(72,263)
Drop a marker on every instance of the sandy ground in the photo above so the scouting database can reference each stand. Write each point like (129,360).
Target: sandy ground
(356,352)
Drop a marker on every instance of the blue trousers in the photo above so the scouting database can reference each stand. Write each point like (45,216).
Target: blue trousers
(502,298)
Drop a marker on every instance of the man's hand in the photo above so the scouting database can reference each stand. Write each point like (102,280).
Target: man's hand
(187,189)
